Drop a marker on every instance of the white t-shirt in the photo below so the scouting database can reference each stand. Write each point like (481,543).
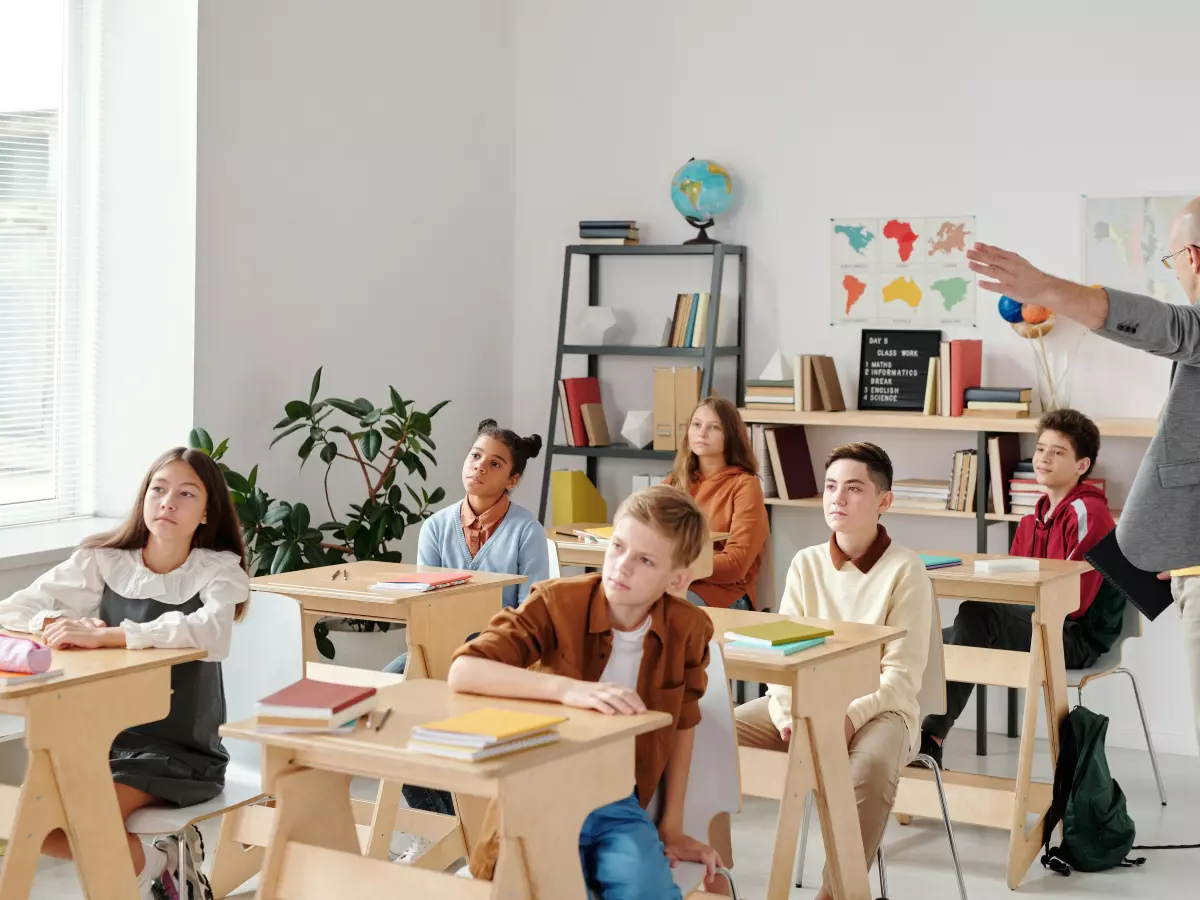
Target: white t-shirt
(626,660)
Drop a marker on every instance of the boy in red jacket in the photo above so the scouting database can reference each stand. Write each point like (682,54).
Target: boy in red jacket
(1069,519)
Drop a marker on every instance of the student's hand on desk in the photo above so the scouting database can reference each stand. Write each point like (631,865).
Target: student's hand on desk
(610,699)
(63,634)
(682,848)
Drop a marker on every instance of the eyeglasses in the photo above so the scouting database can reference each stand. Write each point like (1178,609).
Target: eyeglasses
(1166,260)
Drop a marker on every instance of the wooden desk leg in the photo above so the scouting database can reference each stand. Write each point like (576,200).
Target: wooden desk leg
(796,784)
(39,811)
(383,821)
(838,809)
(1022,850)
(312,807)
(308,640)
(439,626)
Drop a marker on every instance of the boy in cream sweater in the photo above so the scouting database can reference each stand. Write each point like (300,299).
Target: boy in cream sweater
(861,575)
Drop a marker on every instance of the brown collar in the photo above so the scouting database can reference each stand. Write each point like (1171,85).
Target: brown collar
(598,621)
(868,559)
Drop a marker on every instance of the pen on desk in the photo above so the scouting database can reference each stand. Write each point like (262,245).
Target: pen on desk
(387,714)
(334,576)
(345,574)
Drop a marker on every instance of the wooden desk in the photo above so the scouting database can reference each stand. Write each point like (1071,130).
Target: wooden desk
(574,552)
(1053,592)
(70,723)
(439,622)
(824,681)
(313,846)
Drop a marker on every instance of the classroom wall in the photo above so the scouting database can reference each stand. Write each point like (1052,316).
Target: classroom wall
(1007,112)
(355,196)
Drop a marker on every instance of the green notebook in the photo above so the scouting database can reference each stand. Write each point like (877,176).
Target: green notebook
(772,634)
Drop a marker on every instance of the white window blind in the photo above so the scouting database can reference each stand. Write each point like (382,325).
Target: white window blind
(45,338)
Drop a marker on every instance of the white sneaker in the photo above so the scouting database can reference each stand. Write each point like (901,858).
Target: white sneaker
(156,862)
(169,879)
(418,848)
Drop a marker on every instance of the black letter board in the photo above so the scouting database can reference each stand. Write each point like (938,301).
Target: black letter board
(894,368)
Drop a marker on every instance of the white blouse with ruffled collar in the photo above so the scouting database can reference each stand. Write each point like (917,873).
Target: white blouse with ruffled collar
(74,589)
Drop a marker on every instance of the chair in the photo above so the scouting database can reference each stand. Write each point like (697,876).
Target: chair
(1110,664)
(233,865)
(714,779)
(931,700)
(552,552)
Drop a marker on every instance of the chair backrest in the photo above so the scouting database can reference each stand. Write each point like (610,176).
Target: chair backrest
(714,779)
(552,552)
(931,699)
(1131,627)
(765,598)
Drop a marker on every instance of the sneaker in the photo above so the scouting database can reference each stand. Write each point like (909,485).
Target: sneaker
(166,885)
(418,848)
(148,879)
(931,748)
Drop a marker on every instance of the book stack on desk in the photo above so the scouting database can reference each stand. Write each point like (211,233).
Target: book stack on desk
(312,707)
(484,734)
(782,638)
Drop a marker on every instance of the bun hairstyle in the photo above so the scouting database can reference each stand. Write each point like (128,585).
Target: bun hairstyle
(522,449)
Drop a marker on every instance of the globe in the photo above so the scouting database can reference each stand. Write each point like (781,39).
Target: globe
(700,190)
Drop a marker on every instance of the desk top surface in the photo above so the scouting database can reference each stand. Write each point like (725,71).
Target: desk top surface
(846,637)
(83,666)
(327,581)
(415,703)
(1048,570)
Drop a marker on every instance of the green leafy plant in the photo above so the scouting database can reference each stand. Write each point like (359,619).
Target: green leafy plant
(382,443)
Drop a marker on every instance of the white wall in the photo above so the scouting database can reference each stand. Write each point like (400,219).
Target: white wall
(1009,112)
(355,203)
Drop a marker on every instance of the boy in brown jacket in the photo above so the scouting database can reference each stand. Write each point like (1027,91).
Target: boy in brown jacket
(618,643)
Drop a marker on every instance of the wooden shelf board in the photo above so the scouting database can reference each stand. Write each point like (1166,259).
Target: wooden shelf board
(816,503)
(1136,428)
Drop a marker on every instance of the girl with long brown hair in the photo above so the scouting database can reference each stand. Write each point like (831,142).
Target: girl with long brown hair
(173,575)
(716,466)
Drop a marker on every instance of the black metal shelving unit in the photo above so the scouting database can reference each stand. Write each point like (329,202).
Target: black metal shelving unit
(706,355)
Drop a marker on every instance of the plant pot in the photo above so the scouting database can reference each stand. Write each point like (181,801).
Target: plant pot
(365,649)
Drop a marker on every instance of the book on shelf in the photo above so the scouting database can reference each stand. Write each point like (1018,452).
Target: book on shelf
(687,398)
(766,473)
(920,493)
(820,388)
(689,330)
(689,323)
(578,392)
(613,242)
(999,405)
(944,370)
(623,233)
(1004,452)
(787,448)
(966,371)
(998,395)
(564,412)
(996,413)
(596,425)
(962,481)
(931,388)
(607,223)
(701,329)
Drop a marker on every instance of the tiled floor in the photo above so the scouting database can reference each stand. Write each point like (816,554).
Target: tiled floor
(918,858)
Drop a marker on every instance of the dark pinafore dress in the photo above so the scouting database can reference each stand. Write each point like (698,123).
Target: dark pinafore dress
(179,759)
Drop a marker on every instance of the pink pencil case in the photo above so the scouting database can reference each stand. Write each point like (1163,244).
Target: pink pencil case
(23,656)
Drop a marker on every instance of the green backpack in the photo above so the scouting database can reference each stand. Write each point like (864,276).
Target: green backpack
(1097,831)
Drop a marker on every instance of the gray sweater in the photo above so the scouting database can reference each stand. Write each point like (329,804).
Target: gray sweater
(1160,525)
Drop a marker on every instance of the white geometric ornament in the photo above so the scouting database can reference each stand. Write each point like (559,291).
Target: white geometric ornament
(595,325)
(775,370)
(638,428)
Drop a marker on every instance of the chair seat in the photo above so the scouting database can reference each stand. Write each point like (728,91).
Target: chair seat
(156,820)
(1103,666)
(689,877)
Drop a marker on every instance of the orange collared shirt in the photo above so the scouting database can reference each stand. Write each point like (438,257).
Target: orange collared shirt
(477,529)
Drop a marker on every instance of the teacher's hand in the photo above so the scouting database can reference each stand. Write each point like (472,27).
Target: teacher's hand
(1009,274)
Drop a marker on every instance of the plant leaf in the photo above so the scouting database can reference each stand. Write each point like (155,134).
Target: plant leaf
(352,529)
(253,479)
(420,467)
(429,456)
(285,559)
(326,648)
(371,443)
(277,515)
(364,405)
(294,428)
(316,386)
(314,555)
(438,495)
(237,483)
(345,406)
(420,423)
(221,448)
(389,477)
(391,432)
(397,403)
(372,417)
(436,407)
(306,449)
(297,409)
(283,423)
(199,439)
(329,453)
(397,528)
(299,518)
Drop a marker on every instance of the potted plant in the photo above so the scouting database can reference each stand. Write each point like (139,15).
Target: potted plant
(386,444)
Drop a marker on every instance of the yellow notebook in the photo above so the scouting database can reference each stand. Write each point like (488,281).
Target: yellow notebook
(772,634)
(604,533)
(486,726)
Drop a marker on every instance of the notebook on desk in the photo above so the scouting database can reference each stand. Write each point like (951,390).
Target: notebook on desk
(1141,588)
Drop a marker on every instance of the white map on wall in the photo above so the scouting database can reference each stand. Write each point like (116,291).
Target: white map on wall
(1124,241)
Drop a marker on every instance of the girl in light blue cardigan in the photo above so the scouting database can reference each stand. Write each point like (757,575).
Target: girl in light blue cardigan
(484,532)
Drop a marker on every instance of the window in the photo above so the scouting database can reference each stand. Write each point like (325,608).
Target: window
(45,382)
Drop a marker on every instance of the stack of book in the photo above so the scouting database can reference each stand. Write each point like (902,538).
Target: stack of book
(608,231)
(309,706)
(765,394)
(791,462)
(766,472)
(689,324)
(963,476)
(583,412)
(820,388)
(920,493)
(420,582)
(484,734)
(1006,402)
(781,638)
(959,369)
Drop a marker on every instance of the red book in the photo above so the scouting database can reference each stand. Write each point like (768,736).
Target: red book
(966,371)
(580,391)
(430,581)
(318,698)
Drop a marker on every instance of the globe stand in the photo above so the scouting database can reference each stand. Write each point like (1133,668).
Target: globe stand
(702,237)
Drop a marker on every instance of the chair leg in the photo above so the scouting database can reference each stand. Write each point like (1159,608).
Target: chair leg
(931,764)
(733,891)
(1137,696)
(880,865)
(808,808)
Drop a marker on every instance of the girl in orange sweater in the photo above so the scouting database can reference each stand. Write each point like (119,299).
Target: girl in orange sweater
(716,465)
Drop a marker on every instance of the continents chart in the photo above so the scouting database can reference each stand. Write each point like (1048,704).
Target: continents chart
(902,270)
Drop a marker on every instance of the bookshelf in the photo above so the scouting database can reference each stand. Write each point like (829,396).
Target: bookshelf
(705,356)
(983,427)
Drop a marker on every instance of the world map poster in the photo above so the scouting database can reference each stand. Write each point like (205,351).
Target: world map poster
(902,270)
(1124,241)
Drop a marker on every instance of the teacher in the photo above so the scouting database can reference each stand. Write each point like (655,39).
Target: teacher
(1159,528)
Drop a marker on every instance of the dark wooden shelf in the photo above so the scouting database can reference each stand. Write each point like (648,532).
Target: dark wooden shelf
(654,249)
(635,350)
